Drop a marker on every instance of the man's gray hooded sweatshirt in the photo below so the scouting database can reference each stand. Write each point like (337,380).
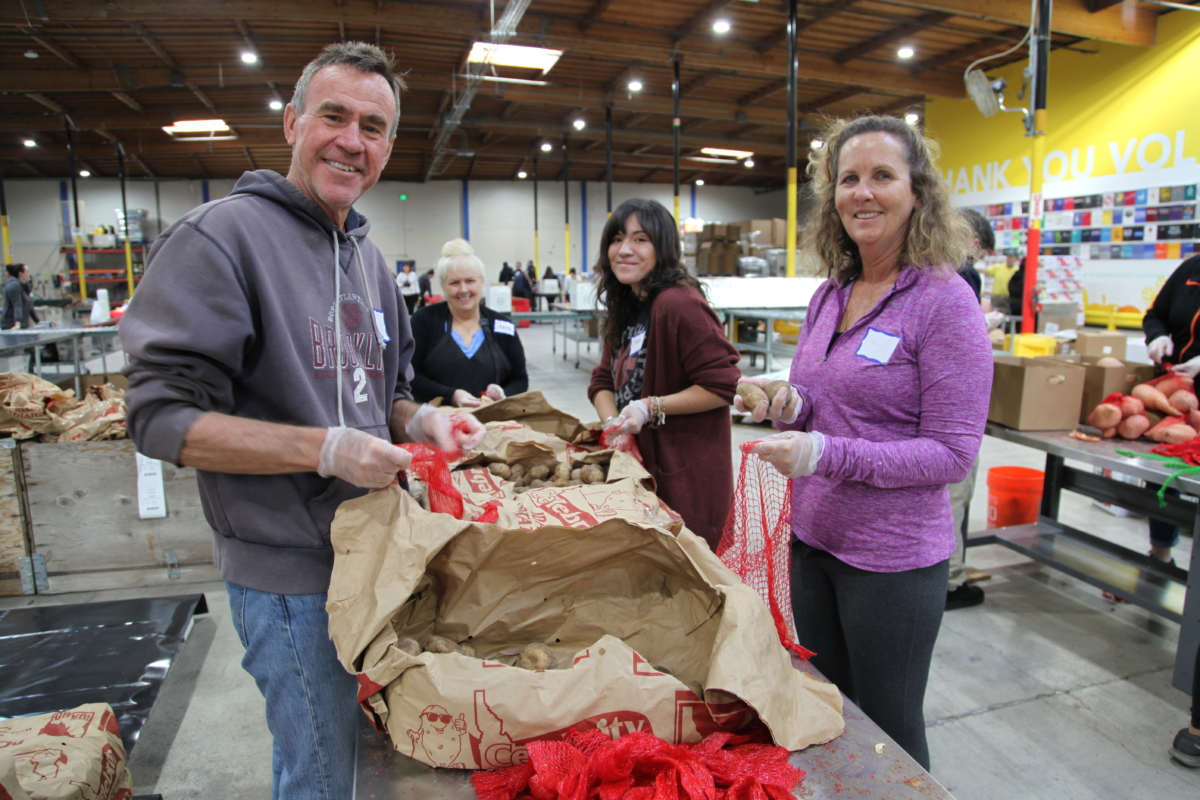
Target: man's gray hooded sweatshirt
(237,314)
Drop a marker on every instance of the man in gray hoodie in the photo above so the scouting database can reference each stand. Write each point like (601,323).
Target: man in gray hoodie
(269,348)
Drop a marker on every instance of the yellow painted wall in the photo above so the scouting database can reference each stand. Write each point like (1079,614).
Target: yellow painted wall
(1131,110)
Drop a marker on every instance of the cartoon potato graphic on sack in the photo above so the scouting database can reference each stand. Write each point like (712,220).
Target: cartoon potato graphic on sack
(441,740)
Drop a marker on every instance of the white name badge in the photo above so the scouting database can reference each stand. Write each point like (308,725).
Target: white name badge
(152,497)
(504,326)
(635,344)
(878,346)
(381,326)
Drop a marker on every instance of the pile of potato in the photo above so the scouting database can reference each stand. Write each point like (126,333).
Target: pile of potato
(535,656)
(1163,411)
(539,475)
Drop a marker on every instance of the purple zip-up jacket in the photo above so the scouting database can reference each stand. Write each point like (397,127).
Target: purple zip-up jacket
(896,433)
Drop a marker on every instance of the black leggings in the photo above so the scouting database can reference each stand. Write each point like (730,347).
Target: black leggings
(873,634)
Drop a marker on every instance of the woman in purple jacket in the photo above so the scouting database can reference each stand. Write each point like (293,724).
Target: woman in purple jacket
(891,380)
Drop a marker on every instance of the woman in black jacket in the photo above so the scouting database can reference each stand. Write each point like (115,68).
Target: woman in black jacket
(464,350)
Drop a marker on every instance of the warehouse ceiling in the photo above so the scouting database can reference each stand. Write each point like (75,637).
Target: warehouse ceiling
(117,71)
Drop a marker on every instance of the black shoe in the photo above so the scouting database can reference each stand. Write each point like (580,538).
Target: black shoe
(964,596)
(1186,748)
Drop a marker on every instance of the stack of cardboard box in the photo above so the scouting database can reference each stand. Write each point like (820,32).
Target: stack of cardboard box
(719,249)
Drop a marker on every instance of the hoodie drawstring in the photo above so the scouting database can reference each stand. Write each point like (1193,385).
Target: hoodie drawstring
(337,324)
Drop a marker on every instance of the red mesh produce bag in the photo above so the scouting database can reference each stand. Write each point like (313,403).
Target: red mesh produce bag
(640,766)
(625,442)
(430,466)
(757,540)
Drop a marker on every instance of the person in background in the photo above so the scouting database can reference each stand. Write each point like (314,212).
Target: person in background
(1170,325)
(18,299)
(960,589)
(889,397)
(568,285)
(410,287)
(1001,275)
(506,274)
(464,350)
(666,373)
(549,274)
(521,287)
(531,274)
(1186,747)
(425,284)
(239,344)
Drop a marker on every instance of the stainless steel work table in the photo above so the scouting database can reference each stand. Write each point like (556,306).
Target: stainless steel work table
(1131,575)
(562,320)
(13,342)
(768,347)
(847,766)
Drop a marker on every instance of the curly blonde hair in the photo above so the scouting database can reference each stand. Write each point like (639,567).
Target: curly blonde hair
(937,237)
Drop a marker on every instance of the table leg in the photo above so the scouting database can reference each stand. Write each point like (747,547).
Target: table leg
(1052,486)
(1189,628)
(78,341)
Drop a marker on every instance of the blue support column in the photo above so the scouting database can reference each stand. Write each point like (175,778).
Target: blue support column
(203,191)
(693,214)
(583,224)
(466,212)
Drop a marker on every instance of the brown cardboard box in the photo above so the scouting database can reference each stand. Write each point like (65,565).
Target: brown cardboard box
(779,232)
(757,231)
(1101,343)
(1062,316)
(725,256)
(1036,394)
(691,243)
(1100,382)
(704,258)
(722,231)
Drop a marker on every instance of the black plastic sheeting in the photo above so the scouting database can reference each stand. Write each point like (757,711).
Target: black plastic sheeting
(53,658)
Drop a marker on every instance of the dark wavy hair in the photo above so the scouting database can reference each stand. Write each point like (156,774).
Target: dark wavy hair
(619,300)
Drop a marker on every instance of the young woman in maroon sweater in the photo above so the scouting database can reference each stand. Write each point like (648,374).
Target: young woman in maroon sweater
(665,357)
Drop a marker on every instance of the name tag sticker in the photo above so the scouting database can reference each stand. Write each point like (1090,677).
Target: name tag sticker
(878,346)
(635,344)
(504,326)
(381,326)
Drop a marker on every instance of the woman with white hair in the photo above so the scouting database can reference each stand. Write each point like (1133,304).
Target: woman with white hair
(464,350)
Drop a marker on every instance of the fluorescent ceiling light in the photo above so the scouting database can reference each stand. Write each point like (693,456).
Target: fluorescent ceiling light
(713,160)
(30,143)
(699,181)
(579,124)
(249,57)
(514,55)
(205,130)
(83,173)
(749,162)
(498,79)
(721,26)
(719,151)
(635,86)
(522,174)
(276,105)
(905,52)
(547,147)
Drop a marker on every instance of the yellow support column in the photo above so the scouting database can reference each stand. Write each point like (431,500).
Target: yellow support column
(129,264)
(791,223)
(79,266)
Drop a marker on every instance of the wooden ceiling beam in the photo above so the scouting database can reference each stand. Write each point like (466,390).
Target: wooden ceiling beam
(200,94)
(46,101)
(758,94)
(52,47)
(129,101)
(888,37)
(143,34)
(830,99)
(203,170)
(704,80)
(968,50)
(249,158)
(1136,24)
(594,13)
(29,165)
(696,23)
(621,82)
(819,14)
(248,37)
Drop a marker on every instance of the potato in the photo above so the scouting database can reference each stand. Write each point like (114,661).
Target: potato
(540,471)
(536,483)
(577,473)
(407,645)
(574,482)
(592,474)
(500,469)
(560,481)
(536,656)
(563,471)
(751,395)
(773,388)
(517,471)
(440,644)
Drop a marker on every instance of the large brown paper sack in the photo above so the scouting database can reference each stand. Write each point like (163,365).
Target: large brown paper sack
(530,409)
(10,789)
(30,405)
(658,594)
(69,755)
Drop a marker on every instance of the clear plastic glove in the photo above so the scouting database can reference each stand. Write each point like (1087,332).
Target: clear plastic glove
(1188,369)
(994,320)
(495,392)
(454,433)
(632,418)
(783,407)
(360,458)
(464,399)
(793,453)
(1160,348)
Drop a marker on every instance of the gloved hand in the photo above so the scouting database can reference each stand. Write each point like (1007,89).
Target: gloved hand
(783,407)
(994,320)
(793,453)
(495,392)
(1160,348)
(464,399)
(360,458)
(454,433)
(632,418)
(1188,369)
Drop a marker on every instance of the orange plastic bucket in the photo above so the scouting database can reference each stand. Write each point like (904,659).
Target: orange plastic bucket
(1014,496)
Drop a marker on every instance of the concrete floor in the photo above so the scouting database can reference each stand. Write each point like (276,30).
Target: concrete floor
(1045,691)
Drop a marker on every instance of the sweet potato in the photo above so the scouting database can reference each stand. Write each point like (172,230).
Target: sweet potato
(1154,399)
(1131,406)
(1132,427)
(751,396)
(1109,361)
(1105,415)
(1173,434)
(1194,419)
(1109,433)
(1167,422)
(1183,401)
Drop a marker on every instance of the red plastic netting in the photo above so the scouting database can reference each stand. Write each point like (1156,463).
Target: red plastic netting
(640,766)
(625,442)
(757,540)
(432,467)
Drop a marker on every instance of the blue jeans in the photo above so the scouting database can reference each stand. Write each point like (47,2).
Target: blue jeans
(312,710)
(1163,534)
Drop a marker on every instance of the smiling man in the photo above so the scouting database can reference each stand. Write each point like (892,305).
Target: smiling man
(270,349)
